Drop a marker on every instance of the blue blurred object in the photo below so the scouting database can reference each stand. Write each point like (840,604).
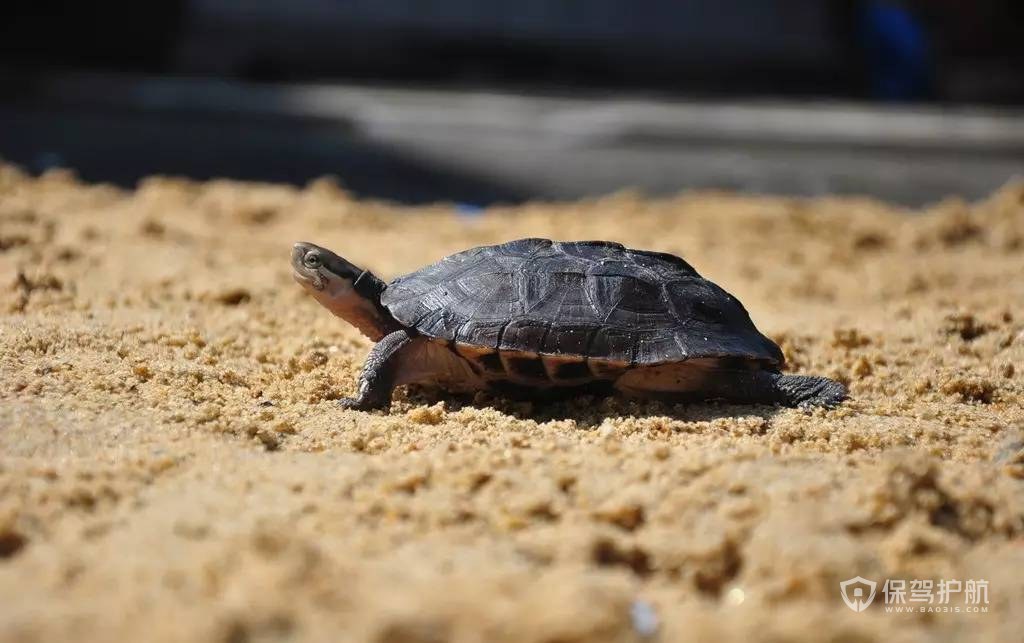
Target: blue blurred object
(468,210)
(47,161)
(645,619)
(899,54)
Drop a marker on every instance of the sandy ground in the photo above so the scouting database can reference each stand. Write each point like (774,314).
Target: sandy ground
(172,466)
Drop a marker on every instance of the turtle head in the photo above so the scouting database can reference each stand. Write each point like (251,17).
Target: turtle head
(320,270)
(346,290)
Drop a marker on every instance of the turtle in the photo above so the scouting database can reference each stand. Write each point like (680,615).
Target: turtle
(534,317)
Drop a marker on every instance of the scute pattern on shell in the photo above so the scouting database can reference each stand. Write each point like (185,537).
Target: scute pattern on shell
(589,298)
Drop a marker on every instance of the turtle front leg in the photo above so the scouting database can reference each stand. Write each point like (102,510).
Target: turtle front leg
(380,373)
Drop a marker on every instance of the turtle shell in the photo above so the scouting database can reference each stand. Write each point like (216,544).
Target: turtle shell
(592,299)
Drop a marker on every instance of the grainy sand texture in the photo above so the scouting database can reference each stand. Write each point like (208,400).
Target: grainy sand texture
(173,466)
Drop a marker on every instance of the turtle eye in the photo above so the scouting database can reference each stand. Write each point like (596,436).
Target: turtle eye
(311,260)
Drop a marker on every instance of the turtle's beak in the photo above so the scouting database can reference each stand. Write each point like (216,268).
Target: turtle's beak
(298,252)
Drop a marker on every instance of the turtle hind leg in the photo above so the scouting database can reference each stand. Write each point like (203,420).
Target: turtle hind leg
(767,387)
(706,380)
(808,390)
(380,373)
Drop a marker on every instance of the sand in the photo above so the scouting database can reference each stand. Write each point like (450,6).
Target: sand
(173,467)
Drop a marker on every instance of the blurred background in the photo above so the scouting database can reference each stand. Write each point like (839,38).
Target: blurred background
(480,102)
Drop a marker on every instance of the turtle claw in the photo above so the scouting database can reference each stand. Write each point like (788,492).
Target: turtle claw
(362,403)
(348,403)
